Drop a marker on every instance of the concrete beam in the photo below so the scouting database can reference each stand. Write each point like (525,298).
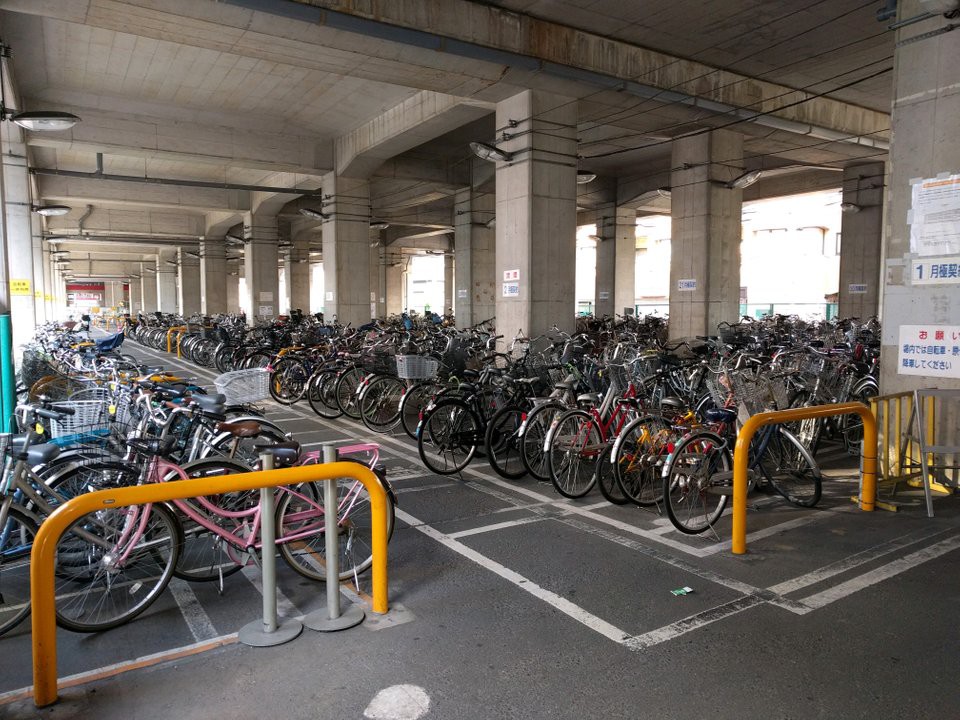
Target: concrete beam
(94,191)
(151,224)
(415,121)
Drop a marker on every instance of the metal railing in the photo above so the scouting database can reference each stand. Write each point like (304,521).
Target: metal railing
(868,465)
(179,329)
(43,558)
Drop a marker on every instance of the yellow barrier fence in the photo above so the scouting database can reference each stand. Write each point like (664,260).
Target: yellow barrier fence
(43,558)
(179,330)
(868,490)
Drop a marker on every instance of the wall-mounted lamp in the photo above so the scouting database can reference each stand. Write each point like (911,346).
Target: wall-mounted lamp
(489,152)
(233,239)
(584,176)
(379,225)
(315,214)
(664,192)
(52,210)
(37,120)
(745,179)
(849,208)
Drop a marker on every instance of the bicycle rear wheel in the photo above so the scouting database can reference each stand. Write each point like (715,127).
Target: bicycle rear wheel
(573,449)
(449,436)
(503,443)
(380,403)
(345,392)
(16,542)
(321,394)
(697,480)
(414,400)
(534,435)
(639,454)
(101,585)
(790,468)
(606,480)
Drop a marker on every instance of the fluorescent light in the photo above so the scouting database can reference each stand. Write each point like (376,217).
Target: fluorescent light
(315,214)
(40,120)
(52,210)
(583,177)
(489,152)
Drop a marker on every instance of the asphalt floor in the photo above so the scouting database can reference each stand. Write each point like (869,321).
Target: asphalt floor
(509,601)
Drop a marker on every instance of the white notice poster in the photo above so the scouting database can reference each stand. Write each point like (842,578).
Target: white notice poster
(934,216)
(929,350)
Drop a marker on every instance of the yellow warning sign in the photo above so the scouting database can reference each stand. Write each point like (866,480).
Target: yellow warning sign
(48,297)
(20,287)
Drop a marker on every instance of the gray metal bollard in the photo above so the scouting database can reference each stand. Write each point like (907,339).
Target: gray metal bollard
(270,630)
(333,619)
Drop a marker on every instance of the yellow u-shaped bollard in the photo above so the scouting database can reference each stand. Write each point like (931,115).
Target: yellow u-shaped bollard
(868,494)
(43,557)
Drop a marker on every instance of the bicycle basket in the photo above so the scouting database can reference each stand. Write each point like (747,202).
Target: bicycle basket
(416,367)
(244,386)
(90,422)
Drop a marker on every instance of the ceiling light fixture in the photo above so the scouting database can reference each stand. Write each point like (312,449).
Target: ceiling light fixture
(379,225)
(584,176)
(315,214)
(849,208)
(52,210)
(233,239)
(38,120)
(492,222)
(490,153)
(745,179)
(664,192)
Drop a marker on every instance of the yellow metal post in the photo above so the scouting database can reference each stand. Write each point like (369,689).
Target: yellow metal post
(741,453)
(43,557)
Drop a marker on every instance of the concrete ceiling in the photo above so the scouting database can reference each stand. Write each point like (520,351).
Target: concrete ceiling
(281,92)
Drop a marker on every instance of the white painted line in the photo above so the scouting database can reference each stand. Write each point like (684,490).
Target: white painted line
(851,562)
(285,608)
(399,702)
(891,569)
(496,526)
(420,488)
(193,613)
(694,622)
(568,608)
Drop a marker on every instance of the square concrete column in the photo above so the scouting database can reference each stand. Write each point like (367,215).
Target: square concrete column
(346,249)
(616,261)
(705,247)
(261,260)
(188,281)
(474,247)
(213,277)
(136,296)
(148,288)
(167,281)
(18,242)
(395,277)
(233,291)
(861,232)
(536,214)
(298,274)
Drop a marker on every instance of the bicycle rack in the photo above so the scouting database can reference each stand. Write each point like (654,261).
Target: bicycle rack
(43,557)
(868,463)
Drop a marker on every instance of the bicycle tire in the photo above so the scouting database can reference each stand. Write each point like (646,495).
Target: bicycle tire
(502,442)
(91,597)
(573,448)
(345,391)
(606,482)
(414,400)
(533,436)
(448,436)
(380,403)
(791,469)
(640,452)
(694,496)
(299,515)
(16,542)
(320,395)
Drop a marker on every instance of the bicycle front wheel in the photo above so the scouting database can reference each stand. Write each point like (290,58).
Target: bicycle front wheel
(790,468)
(301,534)
(380,403)
(573,448)
(503,443)
(639,454)
(16,542)
(449,437)
(697,479)
(108,580)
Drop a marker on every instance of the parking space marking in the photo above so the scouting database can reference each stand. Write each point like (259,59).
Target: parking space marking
(193,613)
(496,526)
(285,608)
(694,622)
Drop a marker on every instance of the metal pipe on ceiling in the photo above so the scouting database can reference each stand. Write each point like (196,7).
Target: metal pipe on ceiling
(441,43)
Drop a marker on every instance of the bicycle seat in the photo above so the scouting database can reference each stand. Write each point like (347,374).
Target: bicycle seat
(718,415)
(565,385)
(472,374)
(152,446)
(672,402)
(35,454)
(284,453)
(209,403)
(242,429)
(591,398)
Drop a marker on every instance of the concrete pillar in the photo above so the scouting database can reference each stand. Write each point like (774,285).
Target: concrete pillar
(537,214)
(233,292)
(298,274)
(136,296)
(925,145)
(49,291)
(17,233)
(213,277)
(188,281)
(861,233)
(474,254)
(166,281)
(148,299)
(448,282)
(395,277)
(705,244)
(39,256)
(260,260)
(616,261)
(346,250)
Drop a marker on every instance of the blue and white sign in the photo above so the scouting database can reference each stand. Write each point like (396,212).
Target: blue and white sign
(687,285)
(511,289)
(935,271)
(857,288)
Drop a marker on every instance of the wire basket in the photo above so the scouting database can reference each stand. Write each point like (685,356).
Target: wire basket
(244,386)
(753,391)
(416,367)
(90,422)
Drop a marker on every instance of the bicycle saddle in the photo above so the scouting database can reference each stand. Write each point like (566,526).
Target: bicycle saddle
(565,385)
(591,398)
(284,453)
(35,454)
(152,446)
(717,415)
(209,403)
(672,402)
(242,429)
